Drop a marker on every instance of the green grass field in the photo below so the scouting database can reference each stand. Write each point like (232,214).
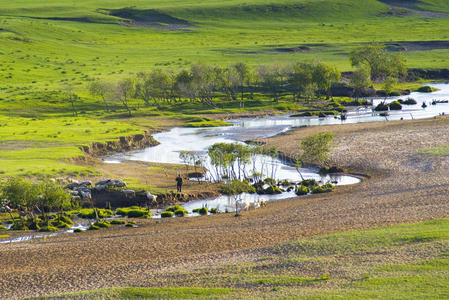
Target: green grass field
(45,46)
(398,262)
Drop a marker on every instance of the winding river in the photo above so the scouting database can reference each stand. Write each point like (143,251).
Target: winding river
(172,142)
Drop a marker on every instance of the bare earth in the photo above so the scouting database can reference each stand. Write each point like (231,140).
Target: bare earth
(402,186)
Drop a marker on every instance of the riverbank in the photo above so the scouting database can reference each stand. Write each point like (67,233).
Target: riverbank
(405,186)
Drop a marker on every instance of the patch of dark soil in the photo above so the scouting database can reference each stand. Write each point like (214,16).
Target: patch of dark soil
(149,18)
(299,49)
(407,46)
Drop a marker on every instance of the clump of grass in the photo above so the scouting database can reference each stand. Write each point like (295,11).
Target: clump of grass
(77,230)
(130,224)
(93,227)
(48,229)
(166,214)
(89,213)
(133,212)
(2,228)
(117,222)
(203,211)
(102,224)
(213,210)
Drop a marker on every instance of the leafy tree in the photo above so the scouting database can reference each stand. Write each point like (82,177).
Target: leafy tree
(272,79)
(244,75)
(380,62)
(234,188)
(70,96)
(101,89)
(324,76)
(360,80)
(316,148)
(124,91)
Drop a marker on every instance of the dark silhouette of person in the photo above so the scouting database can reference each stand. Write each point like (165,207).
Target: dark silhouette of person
(178,183)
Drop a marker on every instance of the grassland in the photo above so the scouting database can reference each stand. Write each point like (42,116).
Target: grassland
(397,262)
(47,46)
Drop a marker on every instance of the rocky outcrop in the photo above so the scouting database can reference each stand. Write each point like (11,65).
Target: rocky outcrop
(125,143)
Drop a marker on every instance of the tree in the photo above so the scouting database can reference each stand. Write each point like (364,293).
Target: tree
(234,189)
(316,148)
(272,79)
(143,87)
(244,78)
(360,80)
(71,97)
(101,89)
(301,79)
(379,61)
(124,91)
(324,76)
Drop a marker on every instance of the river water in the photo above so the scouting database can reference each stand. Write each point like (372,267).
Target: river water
(177,139)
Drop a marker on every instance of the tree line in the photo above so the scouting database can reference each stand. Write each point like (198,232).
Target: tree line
(203,83)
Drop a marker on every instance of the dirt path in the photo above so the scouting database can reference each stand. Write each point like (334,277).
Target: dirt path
(405,186)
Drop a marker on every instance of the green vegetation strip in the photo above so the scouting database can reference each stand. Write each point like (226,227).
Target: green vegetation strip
(437,151)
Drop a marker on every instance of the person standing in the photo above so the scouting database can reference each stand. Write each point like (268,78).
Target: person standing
(179,183)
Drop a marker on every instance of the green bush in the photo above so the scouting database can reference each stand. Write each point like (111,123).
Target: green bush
(395,93)
(325,188)
(102,224)
(48,229)
(272,190)
(19,226)
(174,208)
(133,212)
(395,105)
(180,212)
(2,228)
(302,190)
(202,211)
(213,210)
(309,183)
(65,219)
(196,210)
(59,224)
(117,222)
(381,107)
(424,89)
(130,224)
(93,227)
(89,213)
(166,214)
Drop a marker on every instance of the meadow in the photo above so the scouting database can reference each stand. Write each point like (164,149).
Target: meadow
(397,262)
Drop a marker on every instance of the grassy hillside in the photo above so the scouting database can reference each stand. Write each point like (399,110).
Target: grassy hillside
(47,45)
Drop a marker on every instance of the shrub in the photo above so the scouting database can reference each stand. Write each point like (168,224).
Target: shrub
(196,210)
(174,208)
(309,183)
(65,219)
(2,228)
(48,229)
(325,188)
(102,224)
(117,222)
(272,189)
(381,107)
(130,224)
(77,230)
(301,190)
(180,212)
(395,93)
(166,214)
(202,211)
(89,213)
(424,89)
(93,227)
(395,105)
(213,210)
(19,226)
(60,224)
(269,181)
(133,212)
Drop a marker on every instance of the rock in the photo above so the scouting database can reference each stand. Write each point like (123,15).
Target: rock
(99,188)
(118,183)
(103,182)
(85,195)
(129,193)
(86,183)
(74,193)
(72,186)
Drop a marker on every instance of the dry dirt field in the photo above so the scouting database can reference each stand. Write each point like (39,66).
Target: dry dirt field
(401,186)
